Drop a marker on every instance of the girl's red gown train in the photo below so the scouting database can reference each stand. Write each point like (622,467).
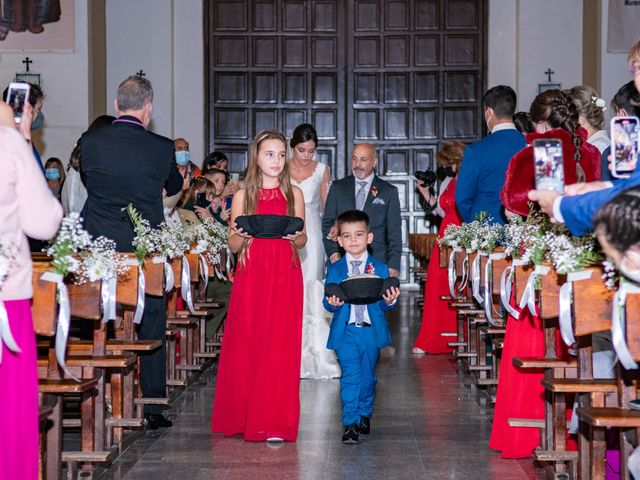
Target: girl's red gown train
(437,317)
(259,372)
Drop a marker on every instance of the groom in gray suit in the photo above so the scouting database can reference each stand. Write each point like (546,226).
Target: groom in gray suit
(379,199)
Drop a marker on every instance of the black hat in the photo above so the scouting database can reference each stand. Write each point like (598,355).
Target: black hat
(270,226)
(361,290)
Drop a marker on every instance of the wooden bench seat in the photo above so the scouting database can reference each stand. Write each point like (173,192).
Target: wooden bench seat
(182,321)
(95,361)
(66,385)
(533,362)
(112,345)
(580,385)
(610,417)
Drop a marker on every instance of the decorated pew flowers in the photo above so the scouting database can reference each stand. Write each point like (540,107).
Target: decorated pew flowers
(571,254)
(210,238)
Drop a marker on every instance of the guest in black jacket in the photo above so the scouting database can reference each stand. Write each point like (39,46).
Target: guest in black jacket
(121,164)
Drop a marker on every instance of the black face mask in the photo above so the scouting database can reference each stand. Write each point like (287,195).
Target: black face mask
(444,172)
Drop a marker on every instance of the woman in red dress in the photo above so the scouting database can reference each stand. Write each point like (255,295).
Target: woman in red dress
(520,393)
(259,372)
(437,317)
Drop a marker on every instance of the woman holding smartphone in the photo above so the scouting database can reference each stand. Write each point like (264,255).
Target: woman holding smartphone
(313,178)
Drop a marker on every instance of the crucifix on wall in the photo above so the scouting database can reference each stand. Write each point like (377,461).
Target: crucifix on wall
(549,85)
(27,75)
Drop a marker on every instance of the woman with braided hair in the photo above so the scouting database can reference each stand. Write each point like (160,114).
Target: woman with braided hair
(520,393)
(555,116)
(591,115)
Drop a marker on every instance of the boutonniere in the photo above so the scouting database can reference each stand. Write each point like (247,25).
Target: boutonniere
(374,191)
(370,269)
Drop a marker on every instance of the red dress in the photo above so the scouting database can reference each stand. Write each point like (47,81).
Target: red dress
(257,386)
(437,317)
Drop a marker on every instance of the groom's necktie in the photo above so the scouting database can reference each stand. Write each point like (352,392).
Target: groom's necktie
(359,309)
(361,195)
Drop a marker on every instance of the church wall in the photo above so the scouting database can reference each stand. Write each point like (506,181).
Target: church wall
(65,81)
(164,39)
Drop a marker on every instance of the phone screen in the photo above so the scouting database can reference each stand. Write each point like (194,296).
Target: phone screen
(17,96)
(227,202)
(201,200)
(548,164)
(235,176)
(624,145)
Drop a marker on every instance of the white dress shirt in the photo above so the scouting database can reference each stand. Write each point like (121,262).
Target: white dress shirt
(367,187)
(504,126)
(352,312)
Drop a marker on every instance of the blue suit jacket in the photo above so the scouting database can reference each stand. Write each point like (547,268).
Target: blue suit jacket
(337,272)
(482,174)
(578,211)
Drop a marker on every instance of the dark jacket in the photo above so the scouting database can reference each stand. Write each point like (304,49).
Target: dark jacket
(120,164)
(383,207)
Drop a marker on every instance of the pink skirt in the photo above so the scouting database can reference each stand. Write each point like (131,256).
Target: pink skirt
(19,398)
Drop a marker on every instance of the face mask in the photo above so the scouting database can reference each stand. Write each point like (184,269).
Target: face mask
(52,174)
(633,275)
(38,122)
(183,157)
(444,172)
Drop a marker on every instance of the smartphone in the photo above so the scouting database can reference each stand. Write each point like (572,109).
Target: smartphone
(227,202)
(624,145)
(17,96)
(201,200)
(548,164)
(235,177)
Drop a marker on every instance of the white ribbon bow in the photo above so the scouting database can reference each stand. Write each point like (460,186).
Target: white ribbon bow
(529,295)
(565,317)
(137,317)
(204,270)
(475,279)
(451,274)
(6,336)
(169,279)
(108,293)
(465,275)
(506,283)
(618,324)
(185,285)
(64,319)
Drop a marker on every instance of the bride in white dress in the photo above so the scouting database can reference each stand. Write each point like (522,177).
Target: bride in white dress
(313,178)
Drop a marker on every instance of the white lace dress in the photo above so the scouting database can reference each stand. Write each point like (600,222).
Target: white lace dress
(317,360)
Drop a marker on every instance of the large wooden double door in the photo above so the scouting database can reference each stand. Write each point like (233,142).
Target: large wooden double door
(401,74)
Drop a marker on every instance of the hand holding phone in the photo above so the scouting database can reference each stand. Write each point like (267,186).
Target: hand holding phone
(201,200)
(624,146)
(548,164)
(17,97)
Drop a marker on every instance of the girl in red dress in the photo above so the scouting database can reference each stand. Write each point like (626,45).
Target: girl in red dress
(259,371)
(437,317)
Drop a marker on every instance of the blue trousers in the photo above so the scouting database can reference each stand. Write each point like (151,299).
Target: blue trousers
(358,356)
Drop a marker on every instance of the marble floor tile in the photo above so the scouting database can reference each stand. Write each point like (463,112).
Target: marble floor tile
(428,423)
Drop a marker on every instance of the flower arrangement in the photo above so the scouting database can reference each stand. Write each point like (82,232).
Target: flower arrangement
(8,253)
(75,252)
(70,240)
(172,239)
(210,237)
(610,275)
(370,269)
(451,237)
(570,254)
(481,235)
(100,261)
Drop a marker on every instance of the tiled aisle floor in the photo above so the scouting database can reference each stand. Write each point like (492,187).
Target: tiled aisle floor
(428,424)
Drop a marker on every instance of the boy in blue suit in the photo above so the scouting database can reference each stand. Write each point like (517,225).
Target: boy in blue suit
(357,331)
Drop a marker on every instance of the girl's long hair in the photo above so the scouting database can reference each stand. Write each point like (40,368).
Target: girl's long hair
(253,183)
(253,178)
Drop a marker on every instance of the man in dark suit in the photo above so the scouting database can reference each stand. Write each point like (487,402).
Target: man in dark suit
(379,199)
(485,162)
(121,164)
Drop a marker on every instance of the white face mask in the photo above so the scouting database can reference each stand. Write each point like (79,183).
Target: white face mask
(631,273)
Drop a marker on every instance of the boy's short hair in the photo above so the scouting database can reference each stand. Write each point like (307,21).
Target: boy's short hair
(353,216)
(216,171)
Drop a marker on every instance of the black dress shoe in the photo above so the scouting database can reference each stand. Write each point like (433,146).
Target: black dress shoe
(365,425)
(350,434)
(157,420)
